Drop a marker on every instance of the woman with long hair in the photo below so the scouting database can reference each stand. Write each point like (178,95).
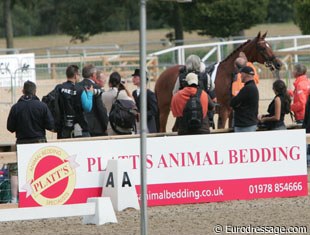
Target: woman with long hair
(117,91)
(279,106)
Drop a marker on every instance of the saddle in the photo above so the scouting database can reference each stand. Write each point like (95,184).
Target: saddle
(204,78)
(210,68)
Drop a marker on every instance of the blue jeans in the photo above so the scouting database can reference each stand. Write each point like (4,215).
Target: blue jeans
(245,128)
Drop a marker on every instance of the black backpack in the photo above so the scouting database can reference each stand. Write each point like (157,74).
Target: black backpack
(52,102)
(204,78)
(5,186)
(182,75)
(122,116)
(192,117)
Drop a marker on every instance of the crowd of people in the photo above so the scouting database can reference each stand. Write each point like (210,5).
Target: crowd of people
(81,108)
(84,109)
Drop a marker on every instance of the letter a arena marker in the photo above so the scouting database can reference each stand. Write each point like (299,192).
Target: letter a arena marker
(119,186)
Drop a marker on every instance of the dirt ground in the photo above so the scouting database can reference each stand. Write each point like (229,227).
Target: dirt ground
(191,219)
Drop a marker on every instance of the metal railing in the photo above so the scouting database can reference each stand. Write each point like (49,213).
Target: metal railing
(207,50)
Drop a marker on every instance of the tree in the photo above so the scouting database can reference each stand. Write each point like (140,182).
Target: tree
(82,19)
(47,13)
(302,12)
(171,14)
(8,25)
(107,16)
(225,18)
(8,6)
(280,11)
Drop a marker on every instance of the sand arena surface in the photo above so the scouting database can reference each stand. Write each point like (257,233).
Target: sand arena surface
(191,219)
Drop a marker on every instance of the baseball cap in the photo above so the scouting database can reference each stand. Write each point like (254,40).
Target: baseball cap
(247,70)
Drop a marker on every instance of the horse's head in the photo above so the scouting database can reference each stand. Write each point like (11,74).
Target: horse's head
(265,54)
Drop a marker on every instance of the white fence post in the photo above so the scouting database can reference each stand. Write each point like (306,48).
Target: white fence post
(96,211)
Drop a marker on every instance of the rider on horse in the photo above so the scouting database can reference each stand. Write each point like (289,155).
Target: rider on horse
(193,64)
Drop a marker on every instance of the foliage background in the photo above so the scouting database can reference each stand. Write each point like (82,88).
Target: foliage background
(81,19)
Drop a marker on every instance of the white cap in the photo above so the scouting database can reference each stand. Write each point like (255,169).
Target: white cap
(191,78)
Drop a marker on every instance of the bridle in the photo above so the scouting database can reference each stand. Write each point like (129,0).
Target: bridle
(268,59)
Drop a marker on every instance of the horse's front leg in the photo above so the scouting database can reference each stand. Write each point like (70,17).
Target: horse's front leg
(176,125)
(163,118)
(223,116)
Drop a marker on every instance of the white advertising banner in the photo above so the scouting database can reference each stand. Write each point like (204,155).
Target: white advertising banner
(16,69)
(180,169)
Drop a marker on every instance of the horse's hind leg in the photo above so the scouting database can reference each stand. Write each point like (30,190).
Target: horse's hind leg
(231,119)
(218,110)
(219,122)
(223,116)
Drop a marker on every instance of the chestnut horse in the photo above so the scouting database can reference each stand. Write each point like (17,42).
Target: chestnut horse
(256,50)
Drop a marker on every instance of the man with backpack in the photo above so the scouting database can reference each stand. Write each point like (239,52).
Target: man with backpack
(193,64)
(190,105)
(70,103)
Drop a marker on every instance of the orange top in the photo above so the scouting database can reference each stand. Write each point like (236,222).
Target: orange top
(300,96)
(238,84)
(179,100)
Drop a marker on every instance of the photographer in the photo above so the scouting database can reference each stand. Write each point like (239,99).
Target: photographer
(74,100)
(97,118)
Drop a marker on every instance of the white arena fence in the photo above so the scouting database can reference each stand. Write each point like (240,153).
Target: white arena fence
(217,51)
(96,211)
